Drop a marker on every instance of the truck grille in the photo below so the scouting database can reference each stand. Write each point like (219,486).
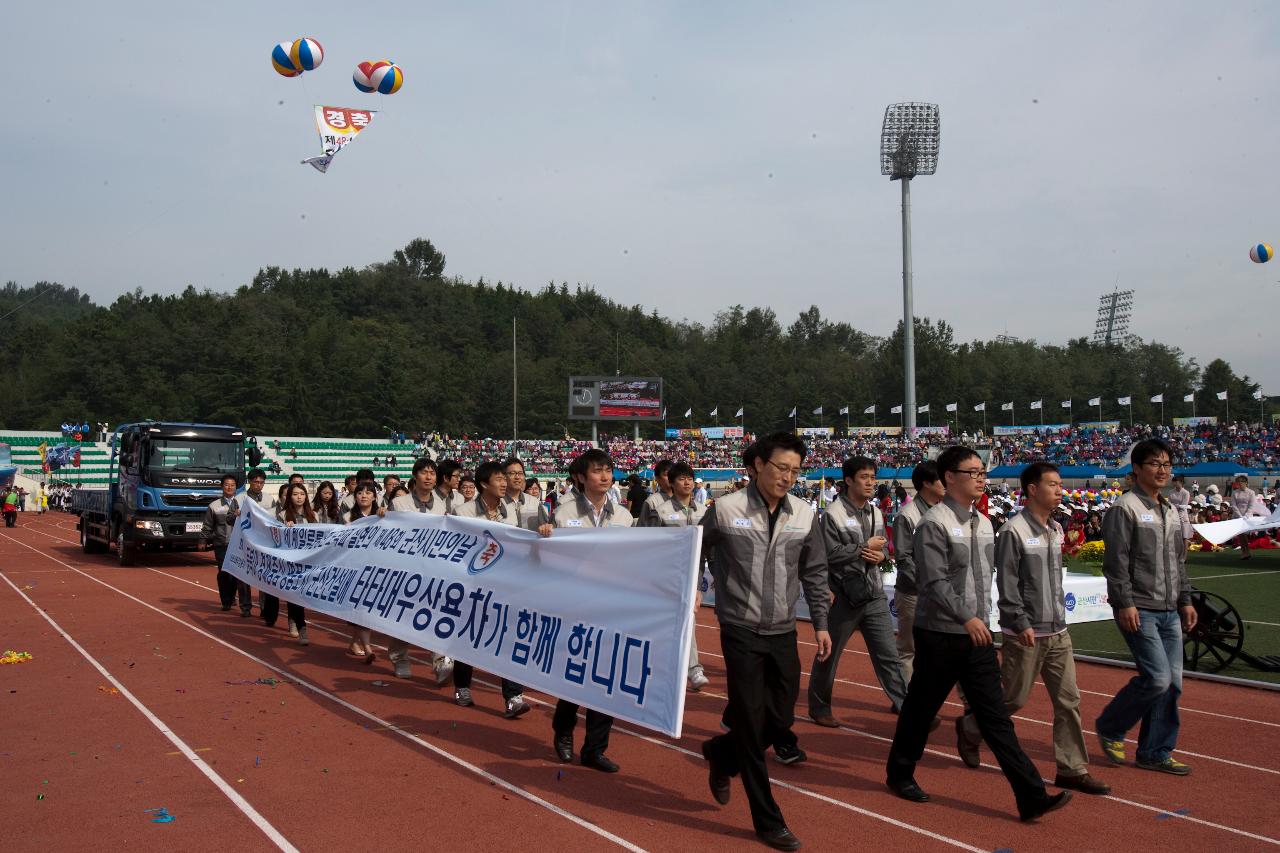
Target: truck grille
(173,499)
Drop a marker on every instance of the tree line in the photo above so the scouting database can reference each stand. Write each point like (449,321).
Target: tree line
(400,345)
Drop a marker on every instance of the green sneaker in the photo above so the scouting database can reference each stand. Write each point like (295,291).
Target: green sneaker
(1112,749)
(1169,765)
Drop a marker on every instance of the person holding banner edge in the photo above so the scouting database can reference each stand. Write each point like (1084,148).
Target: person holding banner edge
(423,497)
(490,505)
(588,505)
(765,545)
(679,510)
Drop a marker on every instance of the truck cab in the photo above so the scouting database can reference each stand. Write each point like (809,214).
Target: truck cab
(162,477)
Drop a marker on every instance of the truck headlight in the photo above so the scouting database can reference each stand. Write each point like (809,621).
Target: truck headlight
(155,528)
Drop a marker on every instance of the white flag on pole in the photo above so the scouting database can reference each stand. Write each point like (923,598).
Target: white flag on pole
(818,411)
(793,412)
(1257,395)
(1125,401)
(1006,407)
(1066,404)
(1095,401)
(1222,395)
(739,414)
(1037,404)
(1189,398)
(844,410)
(951,407)
(896,410)
(981,407)
(922,409)
(1159,398)
(869,410)
(688,413)
(715,413)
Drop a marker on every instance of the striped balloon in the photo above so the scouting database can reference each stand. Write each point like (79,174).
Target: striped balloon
(282,62)
(306,54)
(382,76)
(1261,253)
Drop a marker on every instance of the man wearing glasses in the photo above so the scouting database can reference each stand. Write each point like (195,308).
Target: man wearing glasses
(954,547)
(1145,562)
(765,544)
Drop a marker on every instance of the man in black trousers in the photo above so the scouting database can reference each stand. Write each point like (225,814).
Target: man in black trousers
(765,544)
(954,550)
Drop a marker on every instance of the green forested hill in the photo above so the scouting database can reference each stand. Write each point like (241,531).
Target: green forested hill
(400,344)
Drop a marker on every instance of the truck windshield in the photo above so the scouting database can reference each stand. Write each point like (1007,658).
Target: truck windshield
(184,454)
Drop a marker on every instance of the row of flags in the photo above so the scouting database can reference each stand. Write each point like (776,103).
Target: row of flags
(980,407)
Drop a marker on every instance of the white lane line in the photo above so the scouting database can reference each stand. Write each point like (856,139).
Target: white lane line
(1256,622)
(448,756)
(952,703)
(231,794)
(675,747)
(862,733)
(1236,575)
(1181,707)
(1034,721)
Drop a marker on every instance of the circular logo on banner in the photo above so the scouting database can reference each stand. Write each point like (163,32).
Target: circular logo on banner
(490,552)
(893,606)
(1070,599)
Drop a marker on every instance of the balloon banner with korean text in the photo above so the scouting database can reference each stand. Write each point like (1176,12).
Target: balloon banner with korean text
(601,618)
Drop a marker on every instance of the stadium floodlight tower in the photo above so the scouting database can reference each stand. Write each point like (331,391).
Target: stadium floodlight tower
(908,147)
(1114,311)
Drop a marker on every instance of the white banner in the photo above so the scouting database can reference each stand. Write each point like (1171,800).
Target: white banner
(1218,532)
(598,617)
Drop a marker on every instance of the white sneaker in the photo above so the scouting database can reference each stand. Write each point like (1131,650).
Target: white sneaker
(403,668)
(516,707)
(462,696)
(303,639)
(293,629)
(698,680)
(444,669)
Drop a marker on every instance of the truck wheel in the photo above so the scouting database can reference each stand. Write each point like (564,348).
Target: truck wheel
(124,550)
(88,544)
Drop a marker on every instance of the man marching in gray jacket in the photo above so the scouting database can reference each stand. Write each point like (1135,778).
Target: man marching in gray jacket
(1033,619)
(218,518)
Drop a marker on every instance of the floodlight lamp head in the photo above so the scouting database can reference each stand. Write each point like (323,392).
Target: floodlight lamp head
(909,140)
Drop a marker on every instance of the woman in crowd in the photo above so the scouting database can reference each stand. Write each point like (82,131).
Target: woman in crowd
(325,504)
(294,510)
(364,498)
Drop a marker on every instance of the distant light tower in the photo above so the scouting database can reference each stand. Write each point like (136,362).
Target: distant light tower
(908,147)
(1114,310)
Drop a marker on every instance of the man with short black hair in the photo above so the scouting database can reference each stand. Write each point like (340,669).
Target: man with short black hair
(1033,619)
(661,483)
(422,498)
(528,509)
(680,510)
(449,478)
(588,506)
(254,482)
(929,491)
(765,545)
(1145,561)
(853,530)
(954,549)
(218,518)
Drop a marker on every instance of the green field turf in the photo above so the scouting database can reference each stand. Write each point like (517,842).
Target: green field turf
(1253,586)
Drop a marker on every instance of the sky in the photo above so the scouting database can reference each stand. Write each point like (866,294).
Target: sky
(681,156)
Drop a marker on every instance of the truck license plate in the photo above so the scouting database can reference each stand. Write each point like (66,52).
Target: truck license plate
(195,526)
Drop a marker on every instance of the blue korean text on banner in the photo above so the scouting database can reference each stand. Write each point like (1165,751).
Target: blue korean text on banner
(601,618)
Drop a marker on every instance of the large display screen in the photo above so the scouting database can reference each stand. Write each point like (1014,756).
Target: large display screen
(621,398)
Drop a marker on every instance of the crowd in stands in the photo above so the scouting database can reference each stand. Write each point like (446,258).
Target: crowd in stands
(1250,446)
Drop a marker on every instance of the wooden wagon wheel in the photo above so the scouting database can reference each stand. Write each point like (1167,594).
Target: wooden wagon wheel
(1218,636)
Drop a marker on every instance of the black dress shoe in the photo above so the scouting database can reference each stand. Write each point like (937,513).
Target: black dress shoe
(718,782)
(599,762)
(564,748)
(965,745)
(780,839)
(908,790)
(1048,804)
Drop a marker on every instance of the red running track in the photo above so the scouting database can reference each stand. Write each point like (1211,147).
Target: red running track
(339,755)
